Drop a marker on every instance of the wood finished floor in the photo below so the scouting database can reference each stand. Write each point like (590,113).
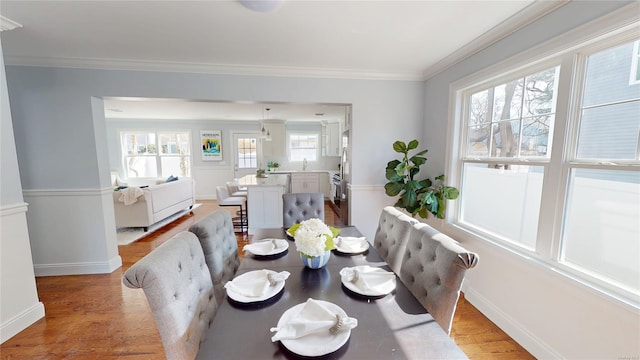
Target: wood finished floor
(96,317)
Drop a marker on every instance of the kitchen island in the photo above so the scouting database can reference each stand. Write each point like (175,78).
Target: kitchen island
(264,200)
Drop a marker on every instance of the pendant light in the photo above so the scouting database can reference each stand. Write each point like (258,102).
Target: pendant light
(266,135)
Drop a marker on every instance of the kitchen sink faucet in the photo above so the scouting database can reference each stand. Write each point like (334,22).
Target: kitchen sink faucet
(304,164)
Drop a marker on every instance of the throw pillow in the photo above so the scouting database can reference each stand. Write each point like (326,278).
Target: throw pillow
(172,178)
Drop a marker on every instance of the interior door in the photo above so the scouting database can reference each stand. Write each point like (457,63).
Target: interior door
(245,149)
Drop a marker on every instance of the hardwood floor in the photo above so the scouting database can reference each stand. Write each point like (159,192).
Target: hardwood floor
(96,317)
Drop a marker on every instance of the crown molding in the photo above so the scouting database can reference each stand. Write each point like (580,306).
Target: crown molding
(8,24)
(524,17)
(208,68)
(516,22)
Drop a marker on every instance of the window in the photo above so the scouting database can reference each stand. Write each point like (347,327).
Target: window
(156,154)
(601,228)
(548,160)
(508,126)
(247,153)
(303,146)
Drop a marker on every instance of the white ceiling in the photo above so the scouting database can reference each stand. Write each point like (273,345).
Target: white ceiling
(401,40)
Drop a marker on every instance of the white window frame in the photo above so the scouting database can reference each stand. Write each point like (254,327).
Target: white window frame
(158,156)
(570,51)
(318,147)
(634,74)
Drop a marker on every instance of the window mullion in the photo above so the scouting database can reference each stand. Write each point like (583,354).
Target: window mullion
(490,98)
(556,175)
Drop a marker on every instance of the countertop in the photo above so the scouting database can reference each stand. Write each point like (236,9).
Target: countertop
(303,171)
(272,179)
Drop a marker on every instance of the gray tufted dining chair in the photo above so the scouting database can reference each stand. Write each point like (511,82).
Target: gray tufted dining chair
(301,206)
(390,239)
(433,268)
(178,288)
(220,246)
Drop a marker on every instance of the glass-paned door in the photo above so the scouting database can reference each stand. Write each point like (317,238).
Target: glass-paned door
(245,154)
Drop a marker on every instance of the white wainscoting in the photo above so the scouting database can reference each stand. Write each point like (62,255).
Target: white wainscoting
(208,177)
(19,305)
(72,231)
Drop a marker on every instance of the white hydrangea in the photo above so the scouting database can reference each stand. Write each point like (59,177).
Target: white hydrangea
(310,237)
(316,225)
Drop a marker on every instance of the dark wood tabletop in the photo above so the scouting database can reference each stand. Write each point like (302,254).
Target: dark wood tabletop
(393,327)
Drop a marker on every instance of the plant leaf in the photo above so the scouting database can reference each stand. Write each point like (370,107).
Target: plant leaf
(450,193)
(393,188)
(392,164)
(392,175)
(292,230)
(440,178)
(412,185)
(400,147)
(329,244)
(425,183)
(413,172)
(412,144)
(430,201)
(421,153)
(441,208)
(410,199)
(418,160)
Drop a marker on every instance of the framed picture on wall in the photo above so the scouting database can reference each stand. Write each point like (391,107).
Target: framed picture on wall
(211,141)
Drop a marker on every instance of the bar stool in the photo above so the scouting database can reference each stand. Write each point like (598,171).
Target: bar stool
(224,199)
(234,189)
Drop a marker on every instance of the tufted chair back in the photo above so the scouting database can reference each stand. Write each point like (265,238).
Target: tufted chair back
(433,269)
(176,282)
(220,247)
(301,206)
(391,236)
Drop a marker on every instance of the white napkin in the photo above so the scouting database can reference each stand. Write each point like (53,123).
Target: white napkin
(350,244)
(367,278)
(314,318)
(264,247)
(256,283)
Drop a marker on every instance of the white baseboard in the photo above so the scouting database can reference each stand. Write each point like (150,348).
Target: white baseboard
(21,321)
(515,330)
(83,268)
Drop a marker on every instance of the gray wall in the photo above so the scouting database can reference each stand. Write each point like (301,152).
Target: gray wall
(61,140)
(52,109)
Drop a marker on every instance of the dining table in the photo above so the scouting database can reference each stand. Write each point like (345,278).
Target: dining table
(394,326)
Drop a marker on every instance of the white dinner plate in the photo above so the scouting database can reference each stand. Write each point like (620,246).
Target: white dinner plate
(282,246)
(362,249)
(315,344)
(378,292)
(271,290)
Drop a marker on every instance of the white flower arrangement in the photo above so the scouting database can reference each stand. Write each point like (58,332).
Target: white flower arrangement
(313,237)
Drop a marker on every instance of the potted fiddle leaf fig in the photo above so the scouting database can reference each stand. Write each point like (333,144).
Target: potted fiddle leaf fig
(416,196)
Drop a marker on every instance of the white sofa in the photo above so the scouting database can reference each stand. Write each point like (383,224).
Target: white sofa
(157,202)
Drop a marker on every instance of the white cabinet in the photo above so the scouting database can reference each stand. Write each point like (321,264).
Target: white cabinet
(305,183)
(325,184)
(333,139)
(277,146)
(264,207)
